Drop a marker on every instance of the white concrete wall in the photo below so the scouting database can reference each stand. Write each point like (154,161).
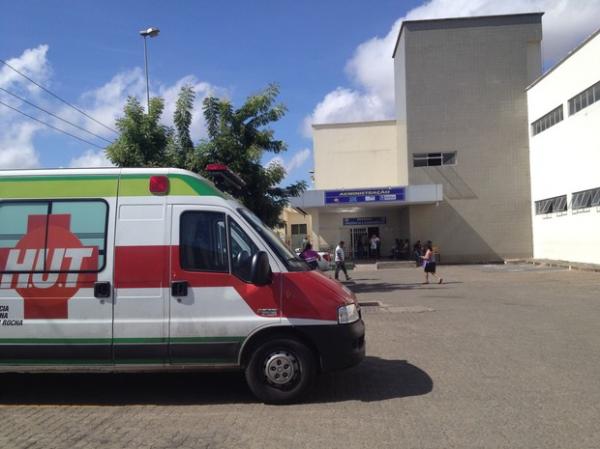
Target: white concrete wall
(353,155)
(565,158)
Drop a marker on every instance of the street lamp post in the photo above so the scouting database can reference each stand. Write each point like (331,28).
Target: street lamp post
(150,32)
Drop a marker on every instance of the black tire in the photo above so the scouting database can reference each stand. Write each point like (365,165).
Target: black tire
(294,380)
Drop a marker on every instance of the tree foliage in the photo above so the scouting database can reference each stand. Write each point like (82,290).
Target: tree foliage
(143,139)
(238,138)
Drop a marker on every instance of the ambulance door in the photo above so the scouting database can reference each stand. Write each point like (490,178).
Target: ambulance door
(56,281)
(141,281)
(213,305)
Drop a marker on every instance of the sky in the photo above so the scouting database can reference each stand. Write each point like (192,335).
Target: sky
(331,59)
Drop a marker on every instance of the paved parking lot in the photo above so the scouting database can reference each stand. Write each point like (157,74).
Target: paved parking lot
(499,357)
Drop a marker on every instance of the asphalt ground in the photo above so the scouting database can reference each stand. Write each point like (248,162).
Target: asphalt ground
(496,357)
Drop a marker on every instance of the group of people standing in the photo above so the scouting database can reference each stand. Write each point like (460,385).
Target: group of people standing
(365,247)
(424,256)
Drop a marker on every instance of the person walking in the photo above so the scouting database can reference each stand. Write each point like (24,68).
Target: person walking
(340,261)
(429,263)
(310,256)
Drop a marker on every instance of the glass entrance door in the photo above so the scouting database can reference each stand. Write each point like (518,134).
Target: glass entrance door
(359,243)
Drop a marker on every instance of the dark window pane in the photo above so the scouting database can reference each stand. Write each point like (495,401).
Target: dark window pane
(203,243)
(242,250)
(449,158)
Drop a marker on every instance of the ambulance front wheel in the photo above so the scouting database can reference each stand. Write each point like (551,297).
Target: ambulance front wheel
(281,371)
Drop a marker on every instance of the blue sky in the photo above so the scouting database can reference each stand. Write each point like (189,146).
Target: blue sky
(332,60)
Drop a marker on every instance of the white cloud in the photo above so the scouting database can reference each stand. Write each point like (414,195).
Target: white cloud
(296,161)
(33,63)
(91,158)
(370,69)
(16,139)
(104,103)
(16,146)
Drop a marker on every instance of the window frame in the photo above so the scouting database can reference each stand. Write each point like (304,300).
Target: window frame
(593,199)
(548,120)
(228,259)
(547,206)
(229,245)
(298,225)
(437,156)
(49,202)
(585,98)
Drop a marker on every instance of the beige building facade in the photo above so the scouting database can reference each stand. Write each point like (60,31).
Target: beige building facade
(454,165)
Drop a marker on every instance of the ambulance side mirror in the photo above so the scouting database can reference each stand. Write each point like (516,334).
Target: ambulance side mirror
(260,270)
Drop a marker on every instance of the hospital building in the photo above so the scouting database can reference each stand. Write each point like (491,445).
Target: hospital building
(465,163)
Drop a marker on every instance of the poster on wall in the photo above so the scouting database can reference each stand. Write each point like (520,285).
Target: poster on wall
(377,195)
(363,221)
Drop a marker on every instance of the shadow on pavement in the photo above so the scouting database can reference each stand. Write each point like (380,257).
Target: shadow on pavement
(389,287)
(373,380)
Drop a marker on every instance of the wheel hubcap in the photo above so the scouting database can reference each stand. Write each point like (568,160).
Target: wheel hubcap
(281,368)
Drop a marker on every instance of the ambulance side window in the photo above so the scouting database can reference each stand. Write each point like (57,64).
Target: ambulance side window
(53,236)
(203,242)
(87,221)
(242,250)
(14,221)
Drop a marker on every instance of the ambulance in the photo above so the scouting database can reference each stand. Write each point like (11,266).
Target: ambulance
(157,269)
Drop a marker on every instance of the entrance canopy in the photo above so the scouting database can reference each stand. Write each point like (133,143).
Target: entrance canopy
(370,197)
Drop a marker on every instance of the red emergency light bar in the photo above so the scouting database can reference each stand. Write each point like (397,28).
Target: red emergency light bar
(223,176)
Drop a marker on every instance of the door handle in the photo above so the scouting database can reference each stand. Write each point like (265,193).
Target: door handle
(179,288)
(102,289)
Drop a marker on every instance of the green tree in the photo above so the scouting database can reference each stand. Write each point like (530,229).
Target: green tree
(181,148)
(143,140)
(239,138)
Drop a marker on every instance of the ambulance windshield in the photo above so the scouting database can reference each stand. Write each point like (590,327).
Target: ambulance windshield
(287,256)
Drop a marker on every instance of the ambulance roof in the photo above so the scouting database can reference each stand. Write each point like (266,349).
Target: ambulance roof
(99,182)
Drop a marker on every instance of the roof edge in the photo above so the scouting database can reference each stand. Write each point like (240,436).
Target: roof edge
(351,124)
(454,19)
(568,55)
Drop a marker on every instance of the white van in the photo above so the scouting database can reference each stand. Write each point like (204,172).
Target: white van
(141,269)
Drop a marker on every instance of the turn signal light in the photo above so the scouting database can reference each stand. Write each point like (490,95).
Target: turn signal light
(159,184)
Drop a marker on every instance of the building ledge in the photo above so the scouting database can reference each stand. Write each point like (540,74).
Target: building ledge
(557,263)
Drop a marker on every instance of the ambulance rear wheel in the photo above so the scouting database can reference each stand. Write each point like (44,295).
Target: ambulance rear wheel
(281,371)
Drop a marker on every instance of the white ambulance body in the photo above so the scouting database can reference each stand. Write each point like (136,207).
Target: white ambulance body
(140,269)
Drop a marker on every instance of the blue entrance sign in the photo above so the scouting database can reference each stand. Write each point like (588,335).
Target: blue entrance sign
(365,195)
(364,221)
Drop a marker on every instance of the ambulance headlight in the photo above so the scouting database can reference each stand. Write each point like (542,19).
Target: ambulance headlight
(348,314)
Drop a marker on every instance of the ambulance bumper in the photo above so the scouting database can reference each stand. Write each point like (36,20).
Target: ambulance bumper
(340,346)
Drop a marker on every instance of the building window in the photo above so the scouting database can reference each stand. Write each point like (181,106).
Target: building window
(584,99)
(550,119)
(585,199)
(550,205)
(299,229)
(434,159)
